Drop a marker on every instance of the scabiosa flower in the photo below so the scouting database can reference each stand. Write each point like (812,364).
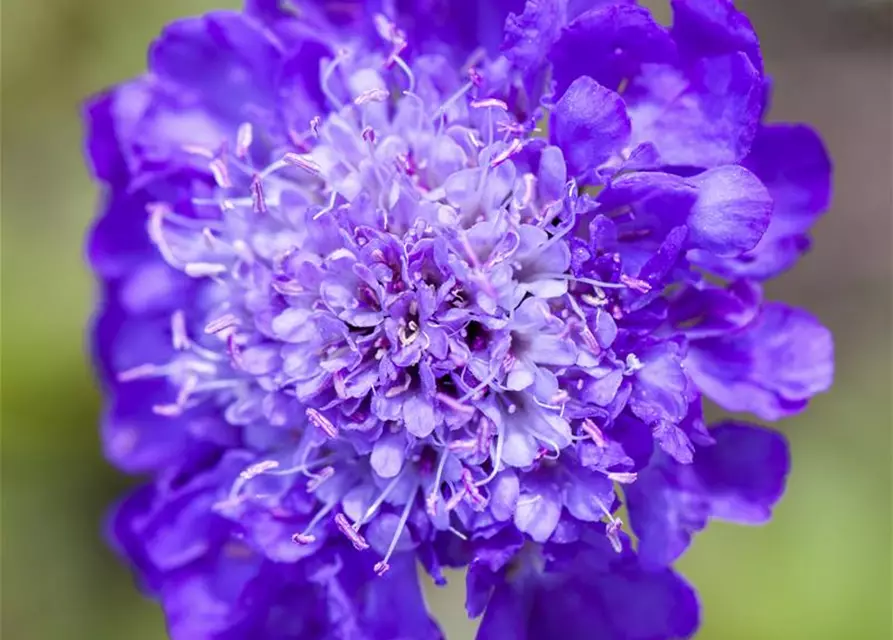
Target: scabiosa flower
(385,281)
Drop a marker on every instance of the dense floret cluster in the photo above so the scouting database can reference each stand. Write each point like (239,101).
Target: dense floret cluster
(387,282)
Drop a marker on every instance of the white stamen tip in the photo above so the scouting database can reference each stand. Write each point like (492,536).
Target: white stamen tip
(372,95)
(489,103)
(244,137)
(204,269)
(623,477)
(257,469)
(302,162)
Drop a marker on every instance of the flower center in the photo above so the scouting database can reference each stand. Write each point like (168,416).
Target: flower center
(363,290)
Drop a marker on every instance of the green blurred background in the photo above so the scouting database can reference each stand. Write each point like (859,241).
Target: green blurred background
(821,570)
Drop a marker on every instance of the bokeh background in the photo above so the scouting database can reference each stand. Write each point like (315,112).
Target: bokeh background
(820,571)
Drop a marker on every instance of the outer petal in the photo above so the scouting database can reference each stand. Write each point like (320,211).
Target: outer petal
(137,440)
(793,164)
(207,76)
(629,603)
(666,507)
(463,24)
(590,125)
(134,437)
(739,478)
(715,311)
(732,211)
(590,593)
(661,201)
(714,27)
(770,368)
(213,586)
(744,473)
(530,34)
(703,116)
(224,57)
(110,119)
(609,43)
(490,557)
(392,606)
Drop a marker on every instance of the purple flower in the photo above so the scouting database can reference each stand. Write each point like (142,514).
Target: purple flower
(384,282)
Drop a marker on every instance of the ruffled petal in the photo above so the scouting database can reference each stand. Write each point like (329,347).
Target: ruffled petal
(529,35)
(224,59)
(590,594)
(110,121)
(705,115)
(732,211)
(770,368)
(793,164)
(704,28)
(744,473)
(609,43)
(589,125)
(739,479)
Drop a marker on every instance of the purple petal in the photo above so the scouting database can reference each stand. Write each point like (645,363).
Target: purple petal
(260,360)
(661,388)
(589,125)
(660,201)
(521,375)
(664,512)
(601,391)
(223,56)
(507,615)
(529,35)
(793,164)
(537,511)
(632,603)
(605,328)
(388,454)
(552,174)
(739,478)
(588,494)
(463,24)
(770,368)
(111,118)
(744,473)
(592,593)
(674,442)
(712,311)
(520,448)
(418,414)
(383,529)
(705,28)
(732,211)
(551,350)
(609,43)
(504,491)
(705,116)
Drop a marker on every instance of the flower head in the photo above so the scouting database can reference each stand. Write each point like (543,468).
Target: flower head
(384,282)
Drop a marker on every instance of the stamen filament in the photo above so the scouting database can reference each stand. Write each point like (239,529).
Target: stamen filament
(590,281)
(434,496)
(382,566)
(378,502)
(465,88)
